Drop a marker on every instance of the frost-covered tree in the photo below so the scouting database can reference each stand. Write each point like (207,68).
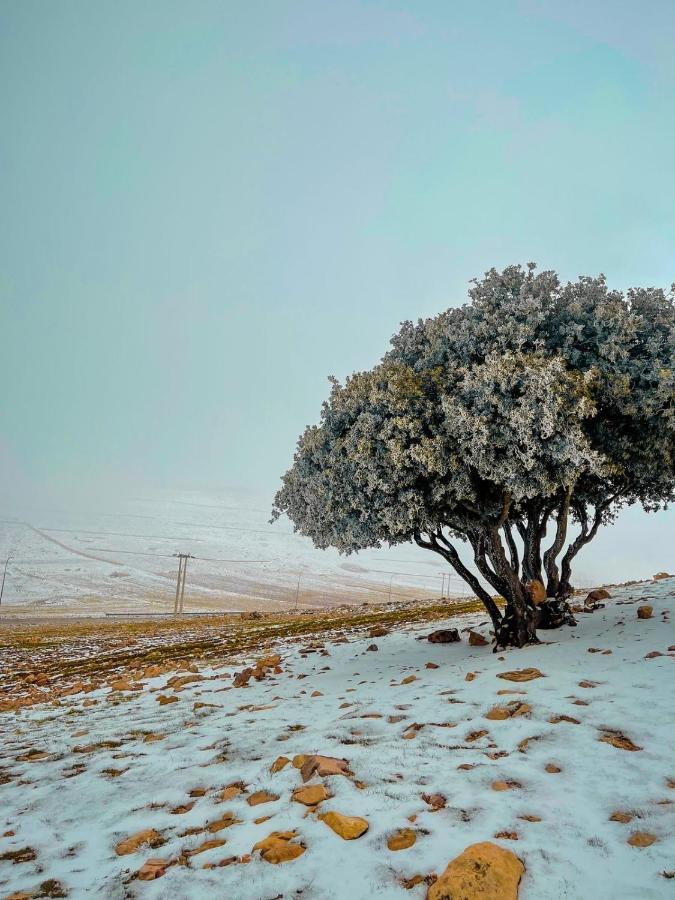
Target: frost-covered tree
(518,424)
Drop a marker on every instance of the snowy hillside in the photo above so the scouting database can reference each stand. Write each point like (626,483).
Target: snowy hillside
(121,558)
(568,765)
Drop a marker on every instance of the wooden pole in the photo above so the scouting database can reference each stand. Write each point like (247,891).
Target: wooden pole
(178,581)
(182,590)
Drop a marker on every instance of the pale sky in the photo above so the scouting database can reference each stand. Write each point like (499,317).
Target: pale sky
(209,207)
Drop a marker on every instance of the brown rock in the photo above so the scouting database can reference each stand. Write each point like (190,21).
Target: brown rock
(401,839)
(146,838)
(641,839)
(435,801)
(279,763)
(152,868)
(504,785)
(231,791)
(121,685)
(511,711)
(470,676)
(645,612)
(163,700)
(477,640)
(311,794)
(521,675)
(226,821)
(661,575)
(279,847)
(536,591)
(409,679)
(552,769)
(431,665)
(483,871)
(619,740)
(259,797)
(507,835)
(373,648)
(621,816)
(241,679)
(444,636)
(348,827)
(596,596)
(323,766)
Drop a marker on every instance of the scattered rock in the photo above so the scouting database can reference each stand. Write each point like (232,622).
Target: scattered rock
(596,596)
(323,766)
(348,827)
(279,763)
(152,869)
(477,640)
(279,847)
(641,839)
(431,665)
(311,794)
(378,631)
(521,675)
(511,711)
(435,801)
(505,785)
(401,839)
(645,612)
(444,636)
(552,769)
(484,871)
(622,816)
(373,648)
(619,740)
(146,838)
(661,575)
(259,797)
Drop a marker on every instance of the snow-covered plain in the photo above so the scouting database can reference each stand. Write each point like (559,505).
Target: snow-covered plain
(117,555)
(69,807)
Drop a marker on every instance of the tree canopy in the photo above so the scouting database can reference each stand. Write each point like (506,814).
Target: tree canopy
(497,423)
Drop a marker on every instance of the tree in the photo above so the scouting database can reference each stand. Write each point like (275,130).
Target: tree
(499,424)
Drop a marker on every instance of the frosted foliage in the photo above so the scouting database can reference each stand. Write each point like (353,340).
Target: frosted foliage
(531,391)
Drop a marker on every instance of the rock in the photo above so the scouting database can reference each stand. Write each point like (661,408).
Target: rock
(373,648)
(279,847)
(521,675)
(348,827)
(661,575)
(621,816)
(146,838)
(378,631)
(121,685)
(210,844)
(504,785)
(279,763)
(229,792)
(241,679)
(409,679)
(552,769)
(483,871)
(431,665)
(311,794)
(596,596)
(507,835)
(444,636)
(645,612)
(323,766)
(163,700)
(619,740)
(152,868)
(536,591)
(477,640)
(401,839)
(435,801)
(259,797)
(642,839)
(226,821)
(152,738)
(511,711)
(470,676)
(268,662)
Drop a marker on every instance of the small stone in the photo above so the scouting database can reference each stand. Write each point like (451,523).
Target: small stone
(279,847)
(622,816)
(521,675)
(279,763)
(373,648)
(402,839)
(552,769)
(152,869)
(444,636)
(619,740)
(504,785)
(431,665)
(311,794)
(259,797)
(642,839)
(146,838)
(378,631)
(348,827)
(645,612)
(477,640)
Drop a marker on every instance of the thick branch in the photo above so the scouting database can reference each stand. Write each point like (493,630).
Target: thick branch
(513,550)
(550,556)
(449,553)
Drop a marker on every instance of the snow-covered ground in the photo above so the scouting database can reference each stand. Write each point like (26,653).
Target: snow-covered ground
(70,798)
(119,556)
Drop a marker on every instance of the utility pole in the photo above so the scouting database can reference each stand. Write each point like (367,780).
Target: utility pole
(180,582)
(2,587)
